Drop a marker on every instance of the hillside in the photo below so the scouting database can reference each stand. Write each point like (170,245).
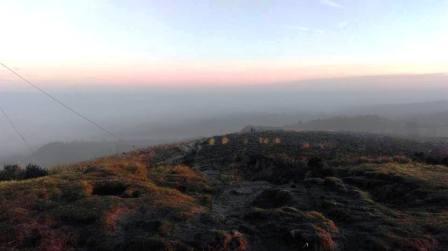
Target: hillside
(250,191)
(368,123)
(62,153)
(402,110)
(422,126)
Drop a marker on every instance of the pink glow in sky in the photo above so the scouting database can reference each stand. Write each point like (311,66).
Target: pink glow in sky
(173,43)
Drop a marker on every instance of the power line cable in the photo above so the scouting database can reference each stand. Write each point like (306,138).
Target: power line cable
(16,129)
(58,101)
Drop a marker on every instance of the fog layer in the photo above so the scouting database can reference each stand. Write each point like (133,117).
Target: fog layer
(167,114)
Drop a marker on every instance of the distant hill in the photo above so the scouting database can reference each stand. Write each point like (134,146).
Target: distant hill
(71,152)
(367,123)
(252,129)
(62,153)
(401,111)
(424,126)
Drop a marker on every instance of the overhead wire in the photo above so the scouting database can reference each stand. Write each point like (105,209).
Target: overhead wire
(16,129)
(61,103)
(58,101)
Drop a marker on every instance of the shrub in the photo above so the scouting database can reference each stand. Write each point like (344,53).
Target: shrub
(34,171)
(11,172)
(15,172)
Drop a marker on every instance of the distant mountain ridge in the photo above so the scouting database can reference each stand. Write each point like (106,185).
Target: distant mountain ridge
(425,126)
(402,110)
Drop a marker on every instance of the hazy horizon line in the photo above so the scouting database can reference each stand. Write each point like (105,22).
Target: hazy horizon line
(84,86)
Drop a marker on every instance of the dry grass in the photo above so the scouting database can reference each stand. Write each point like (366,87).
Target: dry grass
(101,193)
(429,174)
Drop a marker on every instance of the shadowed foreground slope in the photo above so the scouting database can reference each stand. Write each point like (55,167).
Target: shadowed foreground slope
(260,191)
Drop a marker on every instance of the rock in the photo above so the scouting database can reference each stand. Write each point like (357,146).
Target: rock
(242,191)
(221,240)
(309,182)
(313,238)
(273,198)
(335,183)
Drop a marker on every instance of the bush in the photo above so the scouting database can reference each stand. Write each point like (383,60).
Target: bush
(11,172)
(34,171)
(16,172)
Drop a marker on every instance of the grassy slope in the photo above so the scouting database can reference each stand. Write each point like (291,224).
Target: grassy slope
(82,205)
(136,201)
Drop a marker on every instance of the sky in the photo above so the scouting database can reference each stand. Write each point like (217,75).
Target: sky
(219,42)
